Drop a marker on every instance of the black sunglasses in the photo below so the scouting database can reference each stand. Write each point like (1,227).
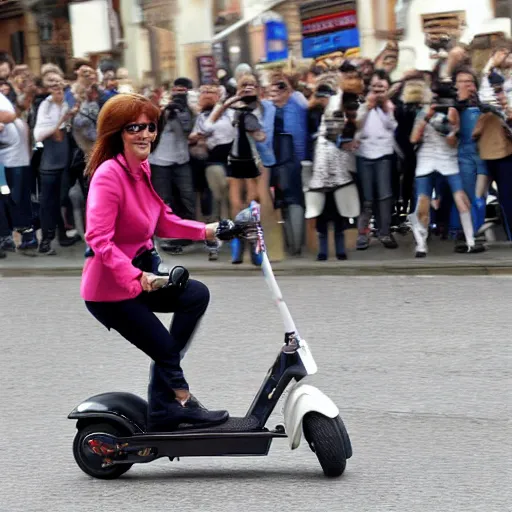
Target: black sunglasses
(140,127)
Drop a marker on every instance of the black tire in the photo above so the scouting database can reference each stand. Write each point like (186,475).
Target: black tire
(90,463)
(346,439)
(325,439)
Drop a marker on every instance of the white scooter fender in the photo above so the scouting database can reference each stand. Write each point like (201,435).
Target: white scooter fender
(304,398)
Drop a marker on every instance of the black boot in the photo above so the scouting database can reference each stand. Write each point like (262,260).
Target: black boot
(45,247)
(191,413)
(68,241)
(339,241)
(323,247)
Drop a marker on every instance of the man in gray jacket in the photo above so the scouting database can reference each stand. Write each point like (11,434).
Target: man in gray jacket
(171,173)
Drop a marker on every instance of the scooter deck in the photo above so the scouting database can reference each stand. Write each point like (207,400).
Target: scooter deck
(233,424)
(236,437)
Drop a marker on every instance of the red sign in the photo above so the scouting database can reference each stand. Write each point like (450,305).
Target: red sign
(329,23)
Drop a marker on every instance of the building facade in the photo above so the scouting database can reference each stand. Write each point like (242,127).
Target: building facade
(158,40)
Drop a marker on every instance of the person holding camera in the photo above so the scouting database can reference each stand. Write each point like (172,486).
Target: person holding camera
(376,128)
(171,173)
(243,170)
(473,169)
(436,129)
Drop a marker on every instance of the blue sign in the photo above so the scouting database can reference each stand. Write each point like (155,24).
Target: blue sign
(276,41)
(336,41)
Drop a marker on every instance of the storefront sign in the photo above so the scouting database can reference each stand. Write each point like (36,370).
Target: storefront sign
(276,41)
(83,16)
(336,41)
(329,23)
(206,69)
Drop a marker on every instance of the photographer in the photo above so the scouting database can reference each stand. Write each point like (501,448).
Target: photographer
(171,173)
(473,169)
(376,127)
(246,112)
(436,128)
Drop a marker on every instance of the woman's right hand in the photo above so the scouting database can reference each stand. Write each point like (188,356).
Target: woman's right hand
(146,282)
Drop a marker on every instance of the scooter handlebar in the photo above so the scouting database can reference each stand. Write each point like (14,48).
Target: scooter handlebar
(177,278)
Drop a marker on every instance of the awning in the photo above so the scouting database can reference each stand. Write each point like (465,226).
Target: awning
(265,6)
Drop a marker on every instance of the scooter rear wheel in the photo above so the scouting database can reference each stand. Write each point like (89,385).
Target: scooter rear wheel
(89,462)
(326,440)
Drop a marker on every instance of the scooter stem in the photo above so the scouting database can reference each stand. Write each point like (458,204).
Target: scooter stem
(253,212)
(289,324)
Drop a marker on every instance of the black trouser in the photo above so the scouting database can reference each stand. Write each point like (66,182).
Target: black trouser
(16,208)
(330,214)
(136,321)
(174,184)
(408,168)
(50,203)
(501,171)
(201,185)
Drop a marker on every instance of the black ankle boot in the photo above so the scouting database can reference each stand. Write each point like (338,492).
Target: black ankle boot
(191,413)
(323,247)
(339,241)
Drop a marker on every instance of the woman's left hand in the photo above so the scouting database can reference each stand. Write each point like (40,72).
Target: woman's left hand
(145,282)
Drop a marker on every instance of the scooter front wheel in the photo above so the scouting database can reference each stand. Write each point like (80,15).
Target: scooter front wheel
(326,439)
(91,463)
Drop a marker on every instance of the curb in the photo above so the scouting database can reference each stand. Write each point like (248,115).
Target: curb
(339,270)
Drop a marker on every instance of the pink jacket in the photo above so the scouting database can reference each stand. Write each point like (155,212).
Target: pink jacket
(123,213)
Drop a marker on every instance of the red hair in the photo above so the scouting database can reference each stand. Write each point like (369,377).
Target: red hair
(118,111)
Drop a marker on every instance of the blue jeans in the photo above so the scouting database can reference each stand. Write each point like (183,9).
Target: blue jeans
(376,178)
(16,208)
(425,185)
(470,165)
(136,321)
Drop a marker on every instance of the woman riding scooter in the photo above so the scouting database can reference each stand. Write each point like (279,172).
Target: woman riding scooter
(123,214)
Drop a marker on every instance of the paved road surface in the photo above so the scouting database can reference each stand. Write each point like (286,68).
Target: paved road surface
(420,367)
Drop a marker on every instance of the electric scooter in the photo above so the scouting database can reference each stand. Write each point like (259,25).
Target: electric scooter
(112,432)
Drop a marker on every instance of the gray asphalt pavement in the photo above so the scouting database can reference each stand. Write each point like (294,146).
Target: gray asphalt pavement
(420,368)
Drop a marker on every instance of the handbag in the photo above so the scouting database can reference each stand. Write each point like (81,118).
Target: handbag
(148,261)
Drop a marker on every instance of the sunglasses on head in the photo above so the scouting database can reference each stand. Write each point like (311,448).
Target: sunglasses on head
(140,127)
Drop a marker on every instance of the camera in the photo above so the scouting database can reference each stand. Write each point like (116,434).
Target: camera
(334,125)
(445,96)
(249,99)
